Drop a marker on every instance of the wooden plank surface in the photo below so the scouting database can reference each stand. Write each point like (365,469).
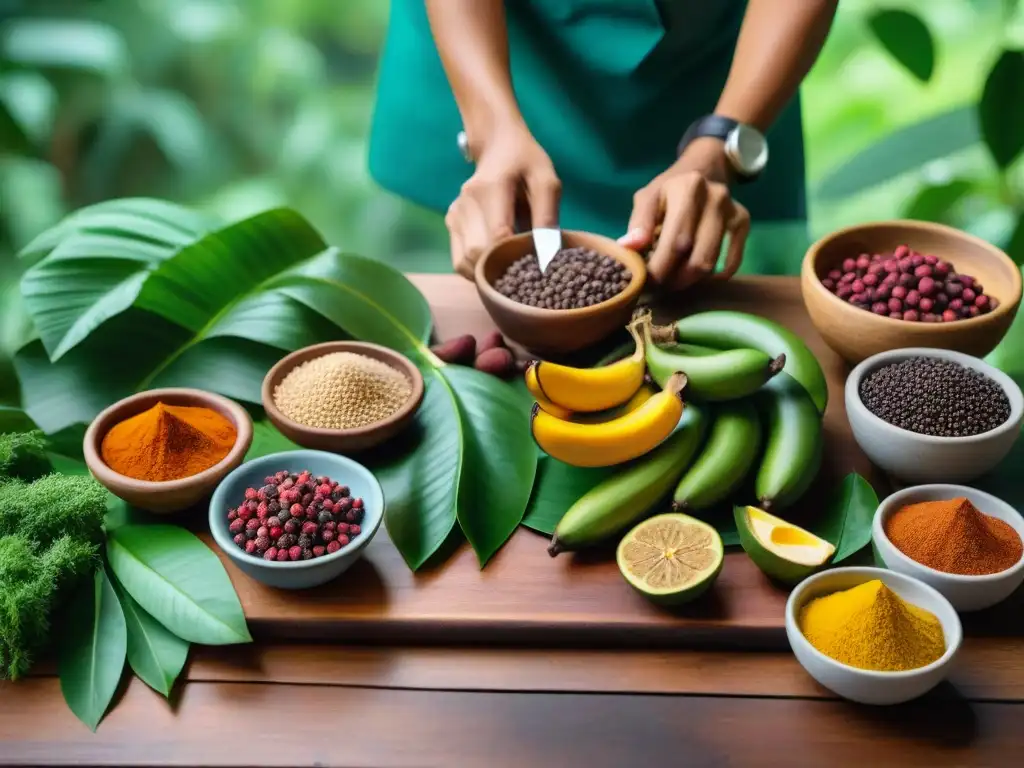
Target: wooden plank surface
(232,724)
(987,669)
(524,596)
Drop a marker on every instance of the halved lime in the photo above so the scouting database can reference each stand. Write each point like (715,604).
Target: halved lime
(782,550)
(671,558)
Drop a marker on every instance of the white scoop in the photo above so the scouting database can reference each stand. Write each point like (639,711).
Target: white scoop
(547,242)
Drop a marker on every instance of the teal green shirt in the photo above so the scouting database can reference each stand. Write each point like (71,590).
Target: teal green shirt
(606,86)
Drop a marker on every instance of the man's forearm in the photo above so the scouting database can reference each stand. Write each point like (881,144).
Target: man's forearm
(472,39)
(779,42)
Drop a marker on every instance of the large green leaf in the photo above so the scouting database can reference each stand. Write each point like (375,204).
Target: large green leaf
(1001,109)
(905,149)
(558,487)
(500,458)
(179,582)
(907,39)
(135,294)
(155,654)
(422,474)
(93,645)
(848,515)
(215,309)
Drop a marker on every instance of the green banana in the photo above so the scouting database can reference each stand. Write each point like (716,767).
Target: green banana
(731,449)
(730,330)
(793,445)
(726,375)
(618,501)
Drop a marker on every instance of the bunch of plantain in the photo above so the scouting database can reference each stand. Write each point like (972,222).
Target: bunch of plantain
(749,420)
(599,417)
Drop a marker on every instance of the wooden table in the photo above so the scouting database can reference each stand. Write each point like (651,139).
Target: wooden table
(411,703)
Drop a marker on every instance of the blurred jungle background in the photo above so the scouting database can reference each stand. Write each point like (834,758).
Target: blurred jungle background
(916,108)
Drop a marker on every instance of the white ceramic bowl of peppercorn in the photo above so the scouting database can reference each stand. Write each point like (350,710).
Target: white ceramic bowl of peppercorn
(562,330)
(377,389)
(868,686)
(352,487)
(926,458)
(969,544)
(916,283)
(150,445)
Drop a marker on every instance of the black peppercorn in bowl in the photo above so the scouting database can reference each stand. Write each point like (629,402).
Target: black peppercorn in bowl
(932,415)
(594,293)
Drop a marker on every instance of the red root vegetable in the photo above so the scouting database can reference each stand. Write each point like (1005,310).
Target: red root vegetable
(497,361)
(490,341)
(461,350)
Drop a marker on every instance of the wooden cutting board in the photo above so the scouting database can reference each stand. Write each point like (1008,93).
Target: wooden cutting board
(526,597)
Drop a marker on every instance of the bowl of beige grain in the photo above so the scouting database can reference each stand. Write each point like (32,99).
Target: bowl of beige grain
(342,396)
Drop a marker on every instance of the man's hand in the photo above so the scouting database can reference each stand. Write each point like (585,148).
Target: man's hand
(691,203)
(513,173)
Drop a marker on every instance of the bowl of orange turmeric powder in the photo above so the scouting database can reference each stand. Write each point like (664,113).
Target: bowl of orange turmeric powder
(967,544)
(164,450)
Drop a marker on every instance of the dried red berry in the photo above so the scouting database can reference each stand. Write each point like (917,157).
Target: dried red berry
(245,514)
(237,526)
(333,547)
(282,555)
(263,531)
(327,535)
(291,527)
(330,525)
(341,541)
(309,528)
(240,539)
(251,493)
(250,547)
(342,528)
(357,503)
(252,525)
(276,532)
(270,554)
(294,553)
(354,530)
(307,553)
(262,543)
(297,510)
(232,513)
(319,550)
(949,316)
(343,490)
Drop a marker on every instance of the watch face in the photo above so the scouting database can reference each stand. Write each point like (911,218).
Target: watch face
(748,149)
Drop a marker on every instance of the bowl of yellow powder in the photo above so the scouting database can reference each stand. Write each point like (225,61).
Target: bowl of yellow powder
(871,635)
(163,450)
(342,396)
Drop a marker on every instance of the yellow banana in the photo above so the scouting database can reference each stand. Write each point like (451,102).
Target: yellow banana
(616,441)
(590,389)
(642,395)
(538,395)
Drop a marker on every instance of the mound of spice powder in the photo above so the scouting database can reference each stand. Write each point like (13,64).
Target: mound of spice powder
(168,442)
(955,537)
(871,627)
(342,390)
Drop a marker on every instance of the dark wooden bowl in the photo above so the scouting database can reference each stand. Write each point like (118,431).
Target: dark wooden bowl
(857,334)
(171,495)
(343,440)
(558,331)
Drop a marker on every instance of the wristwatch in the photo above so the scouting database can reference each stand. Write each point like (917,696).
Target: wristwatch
(745,147)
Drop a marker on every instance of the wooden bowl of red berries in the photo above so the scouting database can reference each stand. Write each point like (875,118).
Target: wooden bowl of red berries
(296,519)
(887,285)
(587,293)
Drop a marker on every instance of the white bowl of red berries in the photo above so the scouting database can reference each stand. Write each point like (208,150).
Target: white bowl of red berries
(296,519)
(888,285)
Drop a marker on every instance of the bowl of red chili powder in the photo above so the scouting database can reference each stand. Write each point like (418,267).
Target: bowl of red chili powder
(164,450)
(965,543)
